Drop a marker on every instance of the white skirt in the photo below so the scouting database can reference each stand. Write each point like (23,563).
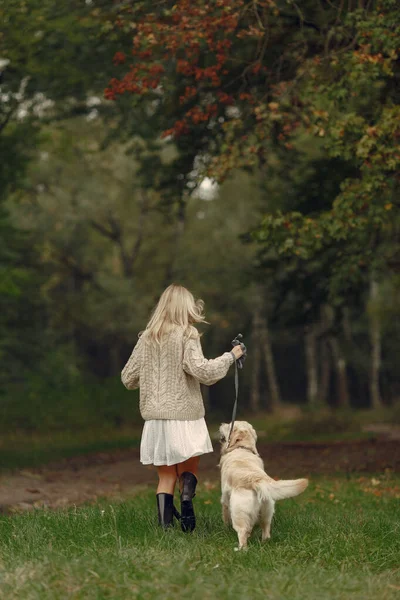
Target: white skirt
(169,442)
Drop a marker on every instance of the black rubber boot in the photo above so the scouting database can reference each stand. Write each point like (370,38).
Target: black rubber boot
(165,505)
(188,483)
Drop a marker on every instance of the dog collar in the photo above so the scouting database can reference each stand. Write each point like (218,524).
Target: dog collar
(243,448)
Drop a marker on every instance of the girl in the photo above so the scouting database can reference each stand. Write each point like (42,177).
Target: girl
(168,365)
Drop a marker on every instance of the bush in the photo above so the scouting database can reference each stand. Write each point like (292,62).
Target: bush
(62,398)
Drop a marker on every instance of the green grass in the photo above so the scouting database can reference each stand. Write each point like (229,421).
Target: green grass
(336,541)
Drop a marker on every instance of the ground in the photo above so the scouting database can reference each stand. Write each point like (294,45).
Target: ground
(118,474)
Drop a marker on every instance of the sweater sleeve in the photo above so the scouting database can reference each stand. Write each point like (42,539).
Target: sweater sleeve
(205,371)
(131,371)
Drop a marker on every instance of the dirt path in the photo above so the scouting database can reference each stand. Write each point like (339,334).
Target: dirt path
(119,474)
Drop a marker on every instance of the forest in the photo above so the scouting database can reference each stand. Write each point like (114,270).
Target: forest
(247,150)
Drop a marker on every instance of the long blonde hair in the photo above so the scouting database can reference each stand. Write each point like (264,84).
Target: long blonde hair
(176,307)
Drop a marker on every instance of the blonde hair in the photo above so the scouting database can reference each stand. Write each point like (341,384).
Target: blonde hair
(176,308)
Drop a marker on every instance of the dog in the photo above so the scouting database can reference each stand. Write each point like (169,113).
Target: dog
(248,493)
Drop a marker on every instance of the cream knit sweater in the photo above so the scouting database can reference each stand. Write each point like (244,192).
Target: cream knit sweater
(169,375)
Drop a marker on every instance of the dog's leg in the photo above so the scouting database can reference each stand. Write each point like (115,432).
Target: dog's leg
(243,536)
(244,511)
(226,515)
(266,514)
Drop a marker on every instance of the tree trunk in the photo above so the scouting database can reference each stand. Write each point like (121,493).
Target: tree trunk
(325,377)
(275,397)
(375,337)
(113,230)
(312,366)
(255,362)
(172,271)
(347,330)
(342,389)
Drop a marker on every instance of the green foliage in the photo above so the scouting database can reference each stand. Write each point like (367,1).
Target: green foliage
(109,211)
(53,63)
(16,146)
(350,100)
(63,51)
(55,399)
(21,311)
(335,83)
(96,235)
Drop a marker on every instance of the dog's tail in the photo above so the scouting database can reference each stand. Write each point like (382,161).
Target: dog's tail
(279,490)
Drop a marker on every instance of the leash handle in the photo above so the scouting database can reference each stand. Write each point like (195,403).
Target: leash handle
(238,342)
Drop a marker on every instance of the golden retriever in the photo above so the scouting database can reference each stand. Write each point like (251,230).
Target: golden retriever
(248,493)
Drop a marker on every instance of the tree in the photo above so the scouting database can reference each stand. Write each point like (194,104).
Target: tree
(247,77)
(106,244)
(376,347)
(53,61)
(21,311)
(362,130)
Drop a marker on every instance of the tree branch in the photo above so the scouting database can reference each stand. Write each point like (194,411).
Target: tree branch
(103,230)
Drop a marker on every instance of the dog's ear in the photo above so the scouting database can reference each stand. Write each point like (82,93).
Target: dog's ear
(253,432)
(223,432)
(237,438)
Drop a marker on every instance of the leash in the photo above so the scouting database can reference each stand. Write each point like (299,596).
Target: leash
(238,365)
(235,403)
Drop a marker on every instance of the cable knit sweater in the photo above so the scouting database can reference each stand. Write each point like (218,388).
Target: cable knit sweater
(169,375)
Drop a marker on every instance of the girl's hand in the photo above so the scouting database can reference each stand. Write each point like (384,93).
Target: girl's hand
(237,352)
